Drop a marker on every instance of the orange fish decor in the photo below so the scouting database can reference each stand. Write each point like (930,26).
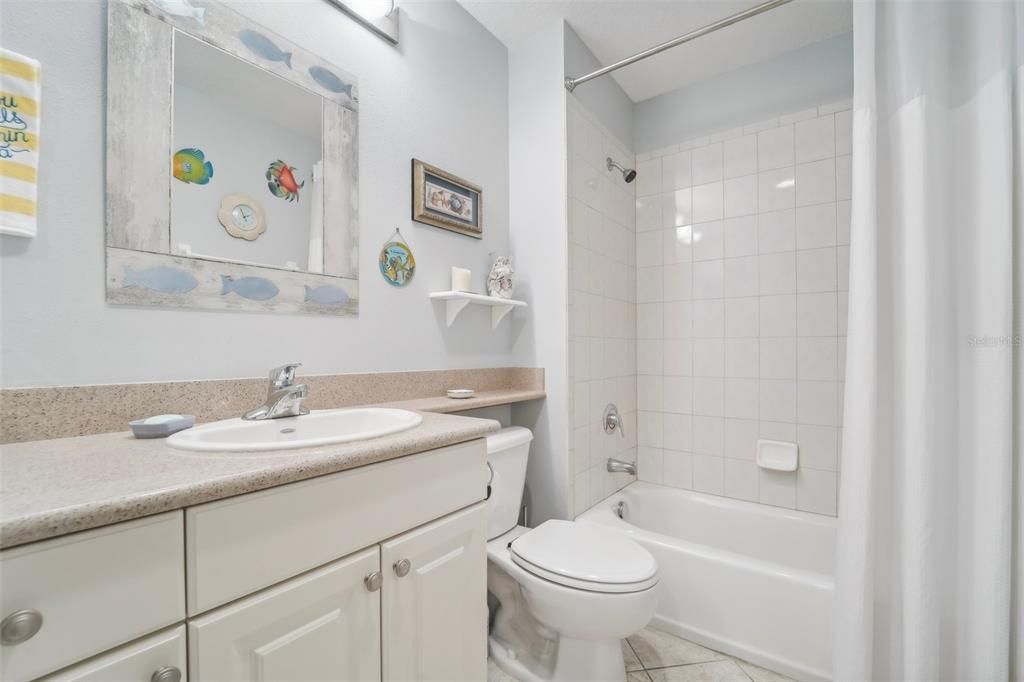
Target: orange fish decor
(281,181)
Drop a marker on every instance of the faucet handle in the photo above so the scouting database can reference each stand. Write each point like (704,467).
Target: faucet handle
(284,376)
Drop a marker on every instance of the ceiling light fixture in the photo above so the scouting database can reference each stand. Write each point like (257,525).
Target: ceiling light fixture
(380,16)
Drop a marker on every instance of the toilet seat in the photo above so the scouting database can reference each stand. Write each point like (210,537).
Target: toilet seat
(585,557)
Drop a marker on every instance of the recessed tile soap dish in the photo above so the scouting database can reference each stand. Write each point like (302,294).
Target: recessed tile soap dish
(777,455)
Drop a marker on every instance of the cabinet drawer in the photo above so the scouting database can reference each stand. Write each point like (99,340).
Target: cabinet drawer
(324,625)
(94,591)
(245,543)
(140,661)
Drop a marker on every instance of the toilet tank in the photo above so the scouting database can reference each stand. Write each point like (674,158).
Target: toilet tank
(507,453)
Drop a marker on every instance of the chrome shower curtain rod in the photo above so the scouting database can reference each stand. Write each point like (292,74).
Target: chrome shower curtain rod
(571,83)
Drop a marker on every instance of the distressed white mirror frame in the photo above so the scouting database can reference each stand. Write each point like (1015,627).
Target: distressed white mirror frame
(142,268)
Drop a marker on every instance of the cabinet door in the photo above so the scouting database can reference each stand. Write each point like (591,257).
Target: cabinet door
(157,657)
(323,625)
(435,615)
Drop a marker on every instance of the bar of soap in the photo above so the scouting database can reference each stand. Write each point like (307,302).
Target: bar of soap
(162,419)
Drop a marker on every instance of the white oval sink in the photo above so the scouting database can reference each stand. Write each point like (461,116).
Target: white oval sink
(319,427)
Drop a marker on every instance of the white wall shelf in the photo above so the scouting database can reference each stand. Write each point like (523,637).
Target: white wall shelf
(456,301)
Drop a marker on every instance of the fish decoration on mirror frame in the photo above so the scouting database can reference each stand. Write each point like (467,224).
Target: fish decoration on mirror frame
(252,288)
(281,181)
(191,167)
(162,279)
(264,47)
(325,294)
(330,81)
(181,8)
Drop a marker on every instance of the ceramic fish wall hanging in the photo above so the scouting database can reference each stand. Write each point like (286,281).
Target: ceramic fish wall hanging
(326,295)
(264,47)
(252,288)
(281,181)
(181,8)
(191,167)
(329,80)
(162,278)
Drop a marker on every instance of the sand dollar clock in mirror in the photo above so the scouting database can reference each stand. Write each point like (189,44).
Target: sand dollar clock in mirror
(231,160)
(242,216)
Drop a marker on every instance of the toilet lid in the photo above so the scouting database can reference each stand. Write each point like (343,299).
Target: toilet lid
(585,556)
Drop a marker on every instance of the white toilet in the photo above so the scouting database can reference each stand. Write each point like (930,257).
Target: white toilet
(567,592)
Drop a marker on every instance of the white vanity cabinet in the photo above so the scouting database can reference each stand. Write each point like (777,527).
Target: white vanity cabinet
(434,601)
(423,594)
(71,597)
(324,625)
(157,658)
(372,574)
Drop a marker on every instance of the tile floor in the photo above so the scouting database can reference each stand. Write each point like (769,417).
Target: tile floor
(655,656)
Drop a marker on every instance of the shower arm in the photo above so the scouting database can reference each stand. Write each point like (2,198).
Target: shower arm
(571,83)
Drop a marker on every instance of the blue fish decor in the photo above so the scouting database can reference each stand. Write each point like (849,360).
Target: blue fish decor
(330,81)
(252,288)
(326,295)
(264,47)
(162,278)
(181,8)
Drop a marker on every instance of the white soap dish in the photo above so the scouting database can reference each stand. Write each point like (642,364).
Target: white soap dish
(777,455)
(162,425)
(461,393)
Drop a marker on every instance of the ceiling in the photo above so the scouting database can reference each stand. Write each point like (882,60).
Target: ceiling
(614,29)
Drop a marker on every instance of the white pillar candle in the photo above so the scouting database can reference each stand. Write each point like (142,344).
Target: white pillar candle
(461,279)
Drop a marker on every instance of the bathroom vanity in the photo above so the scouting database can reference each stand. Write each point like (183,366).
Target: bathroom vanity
(362,561)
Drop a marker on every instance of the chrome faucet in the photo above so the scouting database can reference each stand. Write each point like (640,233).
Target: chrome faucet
(284,397)
(617,466)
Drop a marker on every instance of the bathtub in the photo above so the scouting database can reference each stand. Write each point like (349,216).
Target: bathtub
(746,579)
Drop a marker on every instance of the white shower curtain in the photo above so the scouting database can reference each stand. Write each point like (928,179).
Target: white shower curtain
(929,579)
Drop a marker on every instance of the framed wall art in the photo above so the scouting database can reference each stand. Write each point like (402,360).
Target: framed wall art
(446,201)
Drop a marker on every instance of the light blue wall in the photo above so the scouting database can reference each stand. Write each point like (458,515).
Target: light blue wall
(602,96)
(790,82)
(56,327)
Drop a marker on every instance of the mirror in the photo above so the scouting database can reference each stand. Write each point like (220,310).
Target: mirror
(259,136)
(232,174)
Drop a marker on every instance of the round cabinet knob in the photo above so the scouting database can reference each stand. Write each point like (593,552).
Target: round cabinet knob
(402,567)
(20,626)
(168,673)
(373,581)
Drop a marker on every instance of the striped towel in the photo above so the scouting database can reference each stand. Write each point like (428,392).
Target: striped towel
(19,143)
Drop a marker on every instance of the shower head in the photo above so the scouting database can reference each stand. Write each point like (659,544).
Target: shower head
(628,174)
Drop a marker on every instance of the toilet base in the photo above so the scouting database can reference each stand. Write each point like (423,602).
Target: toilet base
(576,661)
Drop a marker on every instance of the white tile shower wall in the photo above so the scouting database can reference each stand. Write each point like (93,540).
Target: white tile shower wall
(602,306)
(742,249)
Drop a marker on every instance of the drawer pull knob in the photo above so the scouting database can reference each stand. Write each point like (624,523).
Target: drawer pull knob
(168,673)
(20,626)
(402,567)
(373,581)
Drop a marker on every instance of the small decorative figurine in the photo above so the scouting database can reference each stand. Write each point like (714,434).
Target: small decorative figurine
(281,181)
(191,167)
(396,261)
(501,280)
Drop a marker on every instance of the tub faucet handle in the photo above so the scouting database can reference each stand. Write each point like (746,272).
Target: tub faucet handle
(613,421)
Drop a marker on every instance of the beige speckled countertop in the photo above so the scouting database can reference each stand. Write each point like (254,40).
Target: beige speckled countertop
(54,487)
(444,404)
